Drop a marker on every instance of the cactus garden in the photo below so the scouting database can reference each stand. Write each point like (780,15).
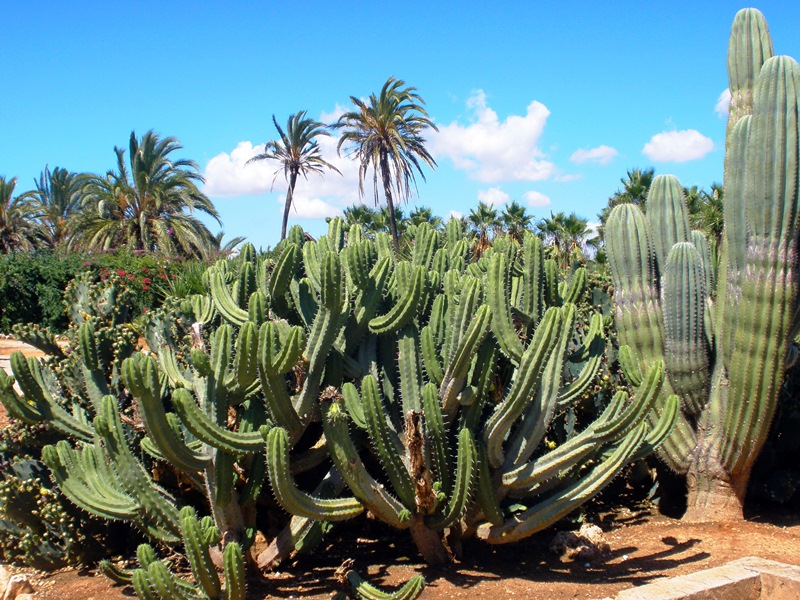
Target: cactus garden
(403,407)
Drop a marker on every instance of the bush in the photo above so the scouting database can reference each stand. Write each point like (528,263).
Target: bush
(32,283)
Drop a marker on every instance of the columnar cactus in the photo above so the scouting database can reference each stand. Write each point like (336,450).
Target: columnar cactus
(726,349)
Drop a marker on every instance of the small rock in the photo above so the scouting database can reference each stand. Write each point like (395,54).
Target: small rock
(18,585)
(4,576)
(588,544)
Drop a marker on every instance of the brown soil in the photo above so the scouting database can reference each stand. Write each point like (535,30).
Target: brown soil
(645,546)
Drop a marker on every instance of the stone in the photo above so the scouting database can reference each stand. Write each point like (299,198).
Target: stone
(18,585)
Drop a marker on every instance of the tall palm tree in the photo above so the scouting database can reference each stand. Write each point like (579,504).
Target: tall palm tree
(298,154)
(385,134)
(570,236)
(55,203)
(147,204)
(516,220)
(482,220)
(18,231)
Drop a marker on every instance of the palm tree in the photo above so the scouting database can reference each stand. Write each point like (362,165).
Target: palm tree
(145,206)
(569,235)
(634,190)
(516,220)
(423,214)
(55,203)
(360,214)
(708,217)
(482,220)
(18,231)
(298,154)
(386,134)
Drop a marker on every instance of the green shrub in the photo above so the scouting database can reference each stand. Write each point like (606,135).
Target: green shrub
(32,283)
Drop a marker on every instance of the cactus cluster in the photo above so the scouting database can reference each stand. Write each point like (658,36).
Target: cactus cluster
(723,328)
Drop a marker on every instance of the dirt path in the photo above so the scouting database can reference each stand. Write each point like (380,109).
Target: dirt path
(643,548)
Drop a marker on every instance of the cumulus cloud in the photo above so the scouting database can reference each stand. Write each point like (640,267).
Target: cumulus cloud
(723,102)
(491,150)
(454,214)
(493,196)
(227,174)
(602,155)
(536,199)
(677,146)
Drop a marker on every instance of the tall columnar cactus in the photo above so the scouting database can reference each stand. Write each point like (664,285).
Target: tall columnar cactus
(726,348)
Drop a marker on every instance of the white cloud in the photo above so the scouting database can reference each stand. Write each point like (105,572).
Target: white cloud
(491,150)
(723,102)
(677,146)
(227,175)
(602,155)
(536,199)
(454,214)
(493,196)
(310,208)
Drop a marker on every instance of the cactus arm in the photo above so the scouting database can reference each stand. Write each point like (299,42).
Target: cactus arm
(667,216)
(683,298)
(533,277)
(591,354)
(94,378)
(577,286)
(140,377)
(80,494)
(458,370)
(160,517)
(29,378)
(565,500)
(526,380)
(630,366)
(436,435)
(539,412)
(497,290)
(295,501)
(285,268)
(203,570)
(485,489)
(115,573)
(234,568)
(165,584)
(465,470)
(271,370)
(404,309)
(224,301)
(387,444)
(430,358)
(142,587)
(361,483)
(323,333)
(354,406)
(17,407)
(171,368)
(206,430)
(661,430)
(408,365)
(364,590)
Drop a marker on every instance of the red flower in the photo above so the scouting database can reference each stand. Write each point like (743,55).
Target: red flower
(145,287)
(131,276)
(162,275)
(121,273)
(146,281)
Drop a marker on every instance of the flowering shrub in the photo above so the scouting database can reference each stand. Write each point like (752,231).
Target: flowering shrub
(32,284)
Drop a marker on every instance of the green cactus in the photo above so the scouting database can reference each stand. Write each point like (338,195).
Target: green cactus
(726,348)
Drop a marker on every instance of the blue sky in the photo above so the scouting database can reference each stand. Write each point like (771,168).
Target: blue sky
(546,103)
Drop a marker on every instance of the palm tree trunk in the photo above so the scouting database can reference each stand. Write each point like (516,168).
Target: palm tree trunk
(288,204)
(387,192)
